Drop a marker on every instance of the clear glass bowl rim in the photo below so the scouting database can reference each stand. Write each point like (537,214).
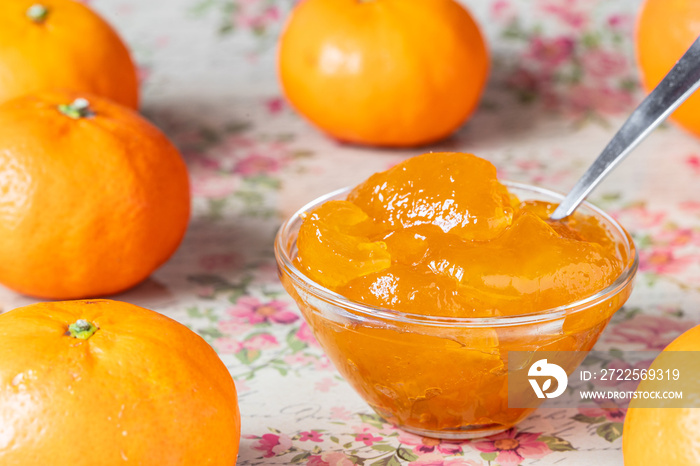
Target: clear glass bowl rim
(286,265)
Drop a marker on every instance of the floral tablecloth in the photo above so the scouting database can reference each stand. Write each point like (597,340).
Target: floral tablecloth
(563,78)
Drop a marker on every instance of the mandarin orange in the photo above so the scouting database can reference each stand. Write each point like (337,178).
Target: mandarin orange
(665,30)
(93,197)
(87,383)
(383,72)
(62,44)
(663,433)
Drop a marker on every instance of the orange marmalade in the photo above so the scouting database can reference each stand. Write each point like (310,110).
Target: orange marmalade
(438,235)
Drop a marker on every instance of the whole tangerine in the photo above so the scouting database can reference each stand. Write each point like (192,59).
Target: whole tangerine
(383,72)
(86,383)
(663,433)
(665,30)
(62,44)
(93,197)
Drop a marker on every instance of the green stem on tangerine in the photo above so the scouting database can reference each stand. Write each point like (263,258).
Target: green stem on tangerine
(82,329)
(38,13)
(79,108)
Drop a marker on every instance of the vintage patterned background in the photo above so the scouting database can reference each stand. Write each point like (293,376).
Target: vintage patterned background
(563,77)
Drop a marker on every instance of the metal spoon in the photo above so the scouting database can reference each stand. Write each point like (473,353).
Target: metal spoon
(678,85)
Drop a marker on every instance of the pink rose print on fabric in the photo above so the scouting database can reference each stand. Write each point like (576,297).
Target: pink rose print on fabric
(275,105)
(664,261)
(692,207)
(273,444)
(247,156)
(330,458)
(311,436)
(677,237)
(692,161)
(212,185)
(143,72)
(529,84)
(325,385)
(639,217)
(222,168)
(232,327)
(267,272)
(222,261)
(606,408)
(647,331)
(253,311)
(366,436)
(572,59)
(624,23)
(205,291)
(384,431)
(306,335)
(227,345)
(435,459)
(513,447)
(604,63)
(423,445)
(260,342)
(341,413)
(254,343)
(249,14)
(242,386)
(524,80)
(604,99)
(323,364)
(502,10)
(567,11)
(299,359)
(256,164)
(551,52)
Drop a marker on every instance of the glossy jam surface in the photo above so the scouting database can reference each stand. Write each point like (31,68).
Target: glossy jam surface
(438,235)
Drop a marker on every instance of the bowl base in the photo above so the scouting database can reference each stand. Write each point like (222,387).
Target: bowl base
(467,433)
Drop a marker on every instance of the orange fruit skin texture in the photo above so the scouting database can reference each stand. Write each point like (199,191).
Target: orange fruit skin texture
(72,48)
(143,389)
(383,72)
(665,30)
(662,435)
(89,206)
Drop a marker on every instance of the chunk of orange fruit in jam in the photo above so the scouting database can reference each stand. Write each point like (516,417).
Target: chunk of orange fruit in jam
(457,192)
(337,247)
(438,235)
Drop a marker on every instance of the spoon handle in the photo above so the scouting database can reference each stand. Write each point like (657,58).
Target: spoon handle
(678,85)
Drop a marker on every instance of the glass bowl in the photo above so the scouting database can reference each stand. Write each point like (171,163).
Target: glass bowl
(446,377)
